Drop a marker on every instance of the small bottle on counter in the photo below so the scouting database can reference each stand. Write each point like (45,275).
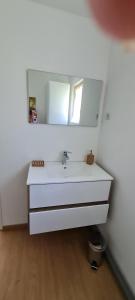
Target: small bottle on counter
(90,158)
(34,116)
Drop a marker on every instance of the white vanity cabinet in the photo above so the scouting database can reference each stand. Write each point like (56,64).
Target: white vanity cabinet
(61,202)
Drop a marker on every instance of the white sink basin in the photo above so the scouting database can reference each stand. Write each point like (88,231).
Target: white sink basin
(54,172)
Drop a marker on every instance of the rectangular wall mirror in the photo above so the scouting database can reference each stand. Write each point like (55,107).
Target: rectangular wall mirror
(56,99)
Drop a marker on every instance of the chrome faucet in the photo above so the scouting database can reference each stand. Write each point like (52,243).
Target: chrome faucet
(65,158)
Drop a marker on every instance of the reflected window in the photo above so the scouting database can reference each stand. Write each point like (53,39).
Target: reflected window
(76,102)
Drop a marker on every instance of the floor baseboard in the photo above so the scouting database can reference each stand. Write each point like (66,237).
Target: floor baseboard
(118,274)
(15,227)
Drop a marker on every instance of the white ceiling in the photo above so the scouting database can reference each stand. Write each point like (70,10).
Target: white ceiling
(78,7)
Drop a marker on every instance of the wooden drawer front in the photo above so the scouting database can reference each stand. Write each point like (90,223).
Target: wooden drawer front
(68,193)
(53,220)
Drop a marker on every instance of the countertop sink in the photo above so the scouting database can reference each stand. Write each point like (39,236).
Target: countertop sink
(54,172)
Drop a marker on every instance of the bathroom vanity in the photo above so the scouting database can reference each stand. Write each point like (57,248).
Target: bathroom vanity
(62,198)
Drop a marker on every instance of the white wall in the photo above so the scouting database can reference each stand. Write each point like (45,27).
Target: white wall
(117,154)
(91,97)
(33,36)
(58,102)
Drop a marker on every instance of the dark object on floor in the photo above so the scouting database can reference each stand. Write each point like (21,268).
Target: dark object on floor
(94,265)
(97,246)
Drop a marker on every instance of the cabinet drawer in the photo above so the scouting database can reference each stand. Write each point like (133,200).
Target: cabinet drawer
(68,193)
(53,220)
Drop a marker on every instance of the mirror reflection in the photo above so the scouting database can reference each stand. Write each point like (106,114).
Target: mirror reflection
(63,100)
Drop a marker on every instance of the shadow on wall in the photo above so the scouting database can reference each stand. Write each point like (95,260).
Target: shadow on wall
(1,222)
(104,227)
(115,187)
(14,199)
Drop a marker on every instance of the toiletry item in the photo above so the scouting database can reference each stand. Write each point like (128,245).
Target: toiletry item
(90,158)
(32,110)
(34,116)
(38,163)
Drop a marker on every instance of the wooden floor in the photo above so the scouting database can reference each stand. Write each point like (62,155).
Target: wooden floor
(53,266)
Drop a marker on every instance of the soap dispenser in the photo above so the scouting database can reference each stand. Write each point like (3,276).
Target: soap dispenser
(90,158)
